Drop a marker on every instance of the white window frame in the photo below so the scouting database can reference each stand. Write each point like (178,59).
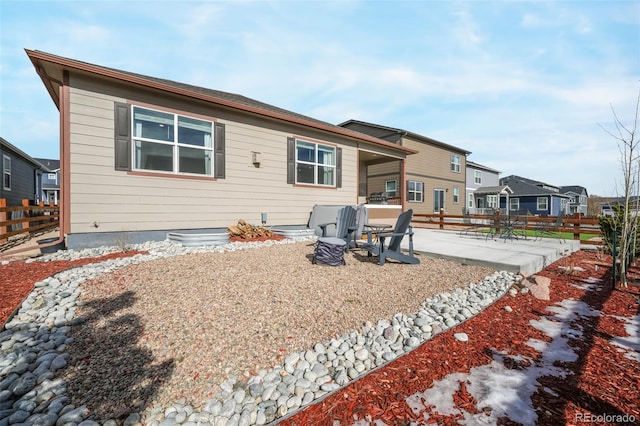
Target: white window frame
(455,163)
(6,172)
(456,195)
(514,204)
(175,144)
(415,191)
(539,203)
(471,200)
(316,164)
(394,192)
(51,176)
(477,177)
(492,201)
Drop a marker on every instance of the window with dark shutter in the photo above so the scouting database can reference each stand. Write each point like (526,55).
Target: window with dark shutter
(122,136)
(291,160)
(313,163)
(155,140)
(338,167)
(219,151)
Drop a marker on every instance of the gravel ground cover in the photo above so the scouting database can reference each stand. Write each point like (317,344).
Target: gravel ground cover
(176,328)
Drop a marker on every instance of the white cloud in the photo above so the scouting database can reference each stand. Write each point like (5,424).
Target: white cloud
(502,79)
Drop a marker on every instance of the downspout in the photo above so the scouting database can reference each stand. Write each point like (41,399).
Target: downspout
(64,166)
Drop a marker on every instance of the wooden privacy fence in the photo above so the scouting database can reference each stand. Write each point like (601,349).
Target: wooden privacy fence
(26,219)
(575,224)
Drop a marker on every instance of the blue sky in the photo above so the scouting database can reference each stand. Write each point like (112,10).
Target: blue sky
(525,86)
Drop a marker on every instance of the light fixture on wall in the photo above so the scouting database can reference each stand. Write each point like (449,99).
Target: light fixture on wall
(255,158)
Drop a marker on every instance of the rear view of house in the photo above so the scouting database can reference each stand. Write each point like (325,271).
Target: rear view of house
(141,156)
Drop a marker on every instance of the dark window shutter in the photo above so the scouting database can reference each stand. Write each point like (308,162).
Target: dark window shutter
(338,167)
(122,136)
(218,151)
(423,191)
(291,160)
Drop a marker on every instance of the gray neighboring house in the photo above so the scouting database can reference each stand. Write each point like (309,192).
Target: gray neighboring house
(479,176)
(607,208)
(21,175)
(50,181)
(578,200)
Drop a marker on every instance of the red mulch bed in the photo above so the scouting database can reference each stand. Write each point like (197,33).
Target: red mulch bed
(18,278)
(604,381)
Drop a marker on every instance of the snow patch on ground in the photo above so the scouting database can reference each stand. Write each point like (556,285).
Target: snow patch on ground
(504,392)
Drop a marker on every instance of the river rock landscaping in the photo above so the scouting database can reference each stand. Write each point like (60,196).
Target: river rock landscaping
(62,355)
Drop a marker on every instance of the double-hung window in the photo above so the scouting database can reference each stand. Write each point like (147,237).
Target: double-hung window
(456,195)
(171,143)
(415,191)
(6,172)
(455,163)
(492,201)
(542,204)
(514,204)
(391,188)
(315,163)
(477,177)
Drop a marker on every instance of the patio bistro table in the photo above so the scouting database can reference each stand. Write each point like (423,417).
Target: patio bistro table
(377,228)
(508,226)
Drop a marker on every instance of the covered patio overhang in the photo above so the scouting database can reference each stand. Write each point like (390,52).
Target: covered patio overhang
(369,156)
(501,191)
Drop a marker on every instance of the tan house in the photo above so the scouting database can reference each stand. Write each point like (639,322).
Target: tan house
(431,180)
(141,156)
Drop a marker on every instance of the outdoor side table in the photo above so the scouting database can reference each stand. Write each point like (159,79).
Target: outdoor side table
(377,228)
(330,251)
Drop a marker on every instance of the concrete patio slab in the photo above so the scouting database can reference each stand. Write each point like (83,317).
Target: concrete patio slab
(522,255)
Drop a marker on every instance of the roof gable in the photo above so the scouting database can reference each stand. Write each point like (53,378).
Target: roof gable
(395,135)
(473,165)
(50,165)
(514,178)
(17,151)
(574,189)
(217,97)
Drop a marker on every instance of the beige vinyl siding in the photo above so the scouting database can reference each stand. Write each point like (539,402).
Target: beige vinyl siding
(432,165)
(380,173)
(119,201)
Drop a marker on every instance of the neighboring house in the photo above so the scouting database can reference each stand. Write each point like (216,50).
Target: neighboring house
(578,198)
(534,197)
(50,181)
(479,177)
(432,179)
(142,156)
(607,208)
(21,175)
